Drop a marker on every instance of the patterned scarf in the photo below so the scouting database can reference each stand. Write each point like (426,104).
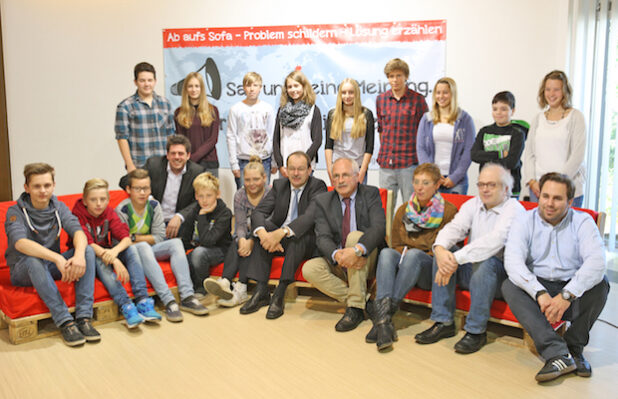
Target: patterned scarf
(416,218)
(292,115)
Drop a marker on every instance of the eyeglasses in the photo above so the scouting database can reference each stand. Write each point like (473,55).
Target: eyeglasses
(141,189)
(482,185)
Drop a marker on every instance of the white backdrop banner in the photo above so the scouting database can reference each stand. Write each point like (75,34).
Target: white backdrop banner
(326,54)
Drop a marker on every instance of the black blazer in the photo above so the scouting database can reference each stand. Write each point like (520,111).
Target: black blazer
(157,169)
(272,211)
(370,220)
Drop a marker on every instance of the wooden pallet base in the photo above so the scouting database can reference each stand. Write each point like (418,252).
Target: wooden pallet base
(30,328)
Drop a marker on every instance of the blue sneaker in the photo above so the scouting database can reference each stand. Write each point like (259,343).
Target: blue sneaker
(145,307)
(129,311)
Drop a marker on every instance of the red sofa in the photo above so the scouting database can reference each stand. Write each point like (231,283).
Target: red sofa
(21,307)
(500,311)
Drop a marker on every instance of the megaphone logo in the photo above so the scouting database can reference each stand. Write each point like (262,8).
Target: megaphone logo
(213,80)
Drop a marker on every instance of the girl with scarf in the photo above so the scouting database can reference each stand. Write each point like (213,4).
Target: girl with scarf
(409,260)
(298,126)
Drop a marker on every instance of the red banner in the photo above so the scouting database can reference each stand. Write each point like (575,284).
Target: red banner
(306,34)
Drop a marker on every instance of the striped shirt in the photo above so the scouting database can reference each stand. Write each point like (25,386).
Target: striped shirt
(145,127)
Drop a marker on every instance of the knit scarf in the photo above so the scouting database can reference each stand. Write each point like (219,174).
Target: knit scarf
(416,218)
(292,115)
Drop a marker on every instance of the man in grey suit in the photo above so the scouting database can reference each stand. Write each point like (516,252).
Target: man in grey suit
(350,227)
(283,222)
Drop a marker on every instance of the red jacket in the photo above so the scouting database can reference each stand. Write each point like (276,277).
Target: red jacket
(104,230)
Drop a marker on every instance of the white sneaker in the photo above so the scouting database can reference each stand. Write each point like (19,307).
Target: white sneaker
(218,287)
(239,296)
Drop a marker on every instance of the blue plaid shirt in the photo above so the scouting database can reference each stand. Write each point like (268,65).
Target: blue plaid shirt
(145,127)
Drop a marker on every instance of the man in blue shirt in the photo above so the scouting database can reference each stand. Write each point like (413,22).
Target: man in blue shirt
(556,266)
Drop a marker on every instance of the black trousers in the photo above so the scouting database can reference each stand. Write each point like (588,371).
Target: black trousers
(582,314)
(296,250)
(235,263)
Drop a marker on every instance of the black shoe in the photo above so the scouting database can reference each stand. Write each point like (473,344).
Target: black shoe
(192,305)
(275,310)
(435,333)
(471,343)
(582,367)
(384,324)
(372,335)
(85,327)
(555,367)
(260,298)
(350,320)
(71,334)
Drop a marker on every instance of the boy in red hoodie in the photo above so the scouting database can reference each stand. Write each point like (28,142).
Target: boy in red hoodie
(116,258)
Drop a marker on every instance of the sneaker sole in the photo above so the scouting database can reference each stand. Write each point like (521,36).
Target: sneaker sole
(213,288)
(75,343)
(151,319)
(131,326)
(174,319)
(555,374)
(194,311)
(92,339)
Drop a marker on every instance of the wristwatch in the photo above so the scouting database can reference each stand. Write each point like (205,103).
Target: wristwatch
(358,251)
(133,237)
(566,295)
(539,293)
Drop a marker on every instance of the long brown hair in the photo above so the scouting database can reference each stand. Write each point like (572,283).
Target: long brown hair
(308,93)
(187,110)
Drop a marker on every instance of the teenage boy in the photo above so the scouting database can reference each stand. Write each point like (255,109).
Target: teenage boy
(503,141)
(250,126)
(399,112)
(33,229)
(144,217)
(143,120)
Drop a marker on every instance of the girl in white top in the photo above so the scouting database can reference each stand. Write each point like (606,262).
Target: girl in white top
(557,138)
(349,130)
(299,123)
(445,137)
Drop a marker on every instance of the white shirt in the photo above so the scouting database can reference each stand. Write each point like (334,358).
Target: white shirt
(347,147)
(250,131)
(487,229)
(443,141)
(297,139)
(170,195)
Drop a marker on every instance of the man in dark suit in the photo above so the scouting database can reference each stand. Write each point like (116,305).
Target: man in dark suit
(283,222)
(171,180)
(350,227)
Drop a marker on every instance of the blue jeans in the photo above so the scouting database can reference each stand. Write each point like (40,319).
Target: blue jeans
(483,279)
(201,260)
(174,251)
(40,274)
(395,279)
(460,188)
(130,259)
(398,179)
(240,181)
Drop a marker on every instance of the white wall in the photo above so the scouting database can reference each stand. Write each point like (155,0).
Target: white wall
(69,62)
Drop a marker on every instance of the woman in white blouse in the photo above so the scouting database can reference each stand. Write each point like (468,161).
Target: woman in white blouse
(557,138)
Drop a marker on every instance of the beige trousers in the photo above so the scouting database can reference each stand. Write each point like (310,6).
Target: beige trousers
(345,285)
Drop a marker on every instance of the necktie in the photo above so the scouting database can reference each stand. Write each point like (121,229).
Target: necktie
(295,205)
(345,226)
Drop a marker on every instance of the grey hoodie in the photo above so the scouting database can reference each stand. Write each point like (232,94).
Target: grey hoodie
(42,226)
